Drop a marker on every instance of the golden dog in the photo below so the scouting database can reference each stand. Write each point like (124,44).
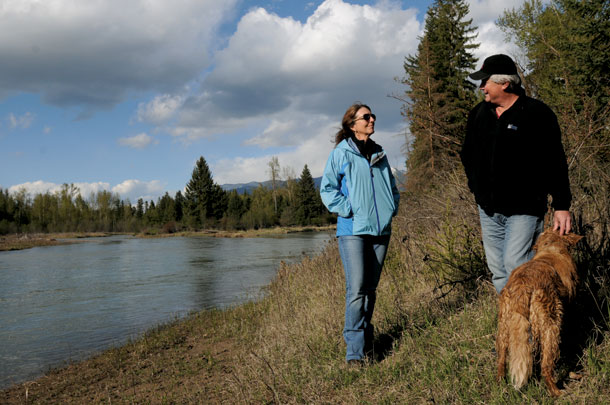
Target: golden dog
(531,310)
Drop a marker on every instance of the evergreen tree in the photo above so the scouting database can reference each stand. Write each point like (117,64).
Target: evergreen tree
(439,96)
(7,208)
(203,198)
(179,205)
(140,208)
(236,206)
(152,214)
(307,199)
(166,208)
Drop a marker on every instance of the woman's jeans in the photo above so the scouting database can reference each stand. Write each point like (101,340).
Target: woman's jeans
(362,257)
(508,242)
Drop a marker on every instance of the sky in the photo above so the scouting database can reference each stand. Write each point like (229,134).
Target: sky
(126,96)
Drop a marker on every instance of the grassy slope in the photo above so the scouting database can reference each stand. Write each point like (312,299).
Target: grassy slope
(287,347)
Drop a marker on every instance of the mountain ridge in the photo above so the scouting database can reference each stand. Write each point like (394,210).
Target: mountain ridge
(243,188)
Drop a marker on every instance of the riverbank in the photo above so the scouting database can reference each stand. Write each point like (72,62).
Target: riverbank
(250,233)
(27,241)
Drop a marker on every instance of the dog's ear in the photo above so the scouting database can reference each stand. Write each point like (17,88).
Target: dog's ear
(572,238)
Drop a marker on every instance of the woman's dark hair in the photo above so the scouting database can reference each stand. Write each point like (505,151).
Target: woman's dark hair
(348,121)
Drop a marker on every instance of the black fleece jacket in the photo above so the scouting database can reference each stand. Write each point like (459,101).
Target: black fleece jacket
(515,161)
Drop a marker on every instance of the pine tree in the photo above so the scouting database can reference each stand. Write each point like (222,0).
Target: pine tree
(179,205)
(203,198)
(140,208)
(166,208)
(439,96)
(307,199)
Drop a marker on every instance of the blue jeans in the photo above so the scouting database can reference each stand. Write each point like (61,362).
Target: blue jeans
(508,242)
(362,257)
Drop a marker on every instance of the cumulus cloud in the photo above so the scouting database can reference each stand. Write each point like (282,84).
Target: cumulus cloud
(135,189)
(300,78)
(20,122)
(139,141)
(92,53)
(130,190)
(276,70)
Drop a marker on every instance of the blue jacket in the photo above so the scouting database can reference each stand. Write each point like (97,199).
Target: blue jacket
(363,194)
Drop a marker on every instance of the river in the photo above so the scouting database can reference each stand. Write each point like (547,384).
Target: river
(65,303)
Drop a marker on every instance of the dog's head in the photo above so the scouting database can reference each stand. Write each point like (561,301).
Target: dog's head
(552,238)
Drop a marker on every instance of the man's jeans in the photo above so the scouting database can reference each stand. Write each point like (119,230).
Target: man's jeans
(508,242)
(362,257)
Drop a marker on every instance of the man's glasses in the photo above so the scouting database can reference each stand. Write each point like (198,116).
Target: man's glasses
(367,117)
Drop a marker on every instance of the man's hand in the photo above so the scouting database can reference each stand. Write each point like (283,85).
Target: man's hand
(562,220)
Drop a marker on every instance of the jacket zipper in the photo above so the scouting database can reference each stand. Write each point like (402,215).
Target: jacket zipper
(375,200)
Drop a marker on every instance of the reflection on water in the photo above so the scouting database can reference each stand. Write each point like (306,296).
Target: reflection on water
(64,303)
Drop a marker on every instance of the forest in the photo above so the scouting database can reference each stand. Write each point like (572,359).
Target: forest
(204,205)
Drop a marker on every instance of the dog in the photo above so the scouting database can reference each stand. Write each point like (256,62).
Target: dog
(531,309)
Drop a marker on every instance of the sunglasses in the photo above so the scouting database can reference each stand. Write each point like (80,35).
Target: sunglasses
(367,117)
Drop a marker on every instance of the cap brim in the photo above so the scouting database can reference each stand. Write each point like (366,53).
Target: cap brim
(480,75)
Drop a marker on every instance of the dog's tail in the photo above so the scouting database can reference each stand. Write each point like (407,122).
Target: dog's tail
(519,349)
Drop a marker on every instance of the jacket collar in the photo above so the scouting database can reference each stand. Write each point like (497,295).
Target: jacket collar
(376,156)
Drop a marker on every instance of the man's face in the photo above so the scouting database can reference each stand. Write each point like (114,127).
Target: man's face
(493,91)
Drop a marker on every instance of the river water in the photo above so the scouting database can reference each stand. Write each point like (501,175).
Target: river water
(65,303)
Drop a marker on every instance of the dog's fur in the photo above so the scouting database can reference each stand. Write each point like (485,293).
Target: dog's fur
(531,310)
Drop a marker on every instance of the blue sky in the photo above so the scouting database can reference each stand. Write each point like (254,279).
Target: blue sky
(126,96)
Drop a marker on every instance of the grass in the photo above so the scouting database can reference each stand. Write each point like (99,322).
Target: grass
(433,345)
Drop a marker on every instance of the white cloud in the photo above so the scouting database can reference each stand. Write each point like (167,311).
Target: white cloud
(47,129)
(42,187)
(130,190)
(276,70)
(491,38)
(135,189)
(20,122)
(91,54)
(139,141)
(160,109)
(483,11)
(300,78)
(313,151)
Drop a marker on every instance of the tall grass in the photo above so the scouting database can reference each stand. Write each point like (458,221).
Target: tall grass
(435,323)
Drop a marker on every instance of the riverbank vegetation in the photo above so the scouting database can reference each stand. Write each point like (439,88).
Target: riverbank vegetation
(436,313)
(435,331)
(205,205)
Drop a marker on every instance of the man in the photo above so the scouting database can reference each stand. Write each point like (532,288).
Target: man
(513,159)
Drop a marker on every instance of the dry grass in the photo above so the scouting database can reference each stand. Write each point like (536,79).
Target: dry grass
(435,331)
(27,241)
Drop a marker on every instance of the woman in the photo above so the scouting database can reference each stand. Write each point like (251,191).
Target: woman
(358,185)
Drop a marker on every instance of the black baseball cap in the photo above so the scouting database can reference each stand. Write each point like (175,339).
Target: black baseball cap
(495,65)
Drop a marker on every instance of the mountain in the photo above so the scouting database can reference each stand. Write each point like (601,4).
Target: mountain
(243,188)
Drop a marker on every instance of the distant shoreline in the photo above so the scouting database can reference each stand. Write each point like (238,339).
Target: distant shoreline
(12,242)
